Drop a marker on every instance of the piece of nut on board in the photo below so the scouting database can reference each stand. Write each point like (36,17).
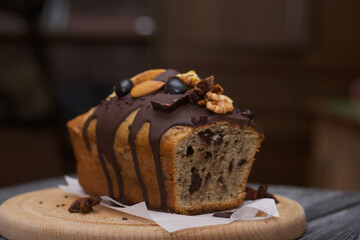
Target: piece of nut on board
(146,76)
(145,88)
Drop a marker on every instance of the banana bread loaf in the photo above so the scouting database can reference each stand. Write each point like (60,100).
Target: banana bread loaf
(169,139)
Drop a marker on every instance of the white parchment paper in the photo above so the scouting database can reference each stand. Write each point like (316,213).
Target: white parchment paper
(175,222)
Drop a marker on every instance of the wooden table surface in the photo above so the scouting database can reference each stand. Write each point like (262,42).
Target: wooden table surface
(329,214)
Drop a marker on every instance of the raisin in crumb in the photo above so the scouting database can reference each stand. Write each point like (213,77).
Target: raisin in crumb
(57,205)
(40,202)
(66,196)
(124,218)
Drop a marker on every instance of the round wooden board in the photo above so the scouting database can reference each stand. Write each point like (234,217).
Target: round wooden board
(43,215)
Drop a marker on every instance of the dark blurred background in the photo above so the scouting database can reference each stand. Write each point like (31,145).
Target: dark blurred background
(295,64)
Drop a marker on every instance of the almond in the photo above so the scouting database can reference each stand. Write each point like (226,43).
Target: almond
(146,76)
(145,88)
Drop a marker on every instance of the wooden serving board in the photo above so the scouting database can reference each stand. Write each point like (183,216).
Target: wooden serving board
(43,215)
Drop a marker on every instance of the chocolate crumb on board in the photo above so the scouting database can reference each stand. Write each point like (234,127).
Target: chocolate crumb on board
(57,205)
(66,196)
(223,214)
(85,204)
(124,218)
(262,190)
(252,194)
(62,204)
(40,202)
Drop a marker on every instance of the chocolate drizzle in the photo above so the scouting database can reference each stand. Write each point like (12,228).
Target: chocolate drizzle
(109,117)
(111,113)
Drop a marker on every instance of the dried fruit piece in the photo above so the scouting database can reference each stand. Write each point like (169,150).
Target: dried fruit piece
(190,78)
(145,88)
(146,76)
(217,89)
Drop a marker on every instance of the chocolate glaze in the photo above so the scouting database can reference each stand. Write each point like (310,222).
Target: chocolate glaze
(109,116)
(111,113)
(169,73)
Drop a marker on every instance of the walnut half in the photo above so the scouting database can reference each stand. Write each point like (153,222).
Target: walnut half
(220,107)
(217,103)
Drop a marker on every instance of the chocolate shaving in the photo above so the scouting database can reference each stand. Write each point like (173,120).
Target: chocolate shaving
(170,102)
(199,91)
(205,84)
(252,194)
(85,204)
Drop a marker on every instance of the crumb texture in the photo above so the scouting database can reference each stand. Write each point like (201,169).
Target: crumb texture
(212,165)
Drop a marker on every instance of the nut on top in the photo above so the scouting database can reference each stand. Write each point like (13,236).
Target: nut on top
(201,91)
